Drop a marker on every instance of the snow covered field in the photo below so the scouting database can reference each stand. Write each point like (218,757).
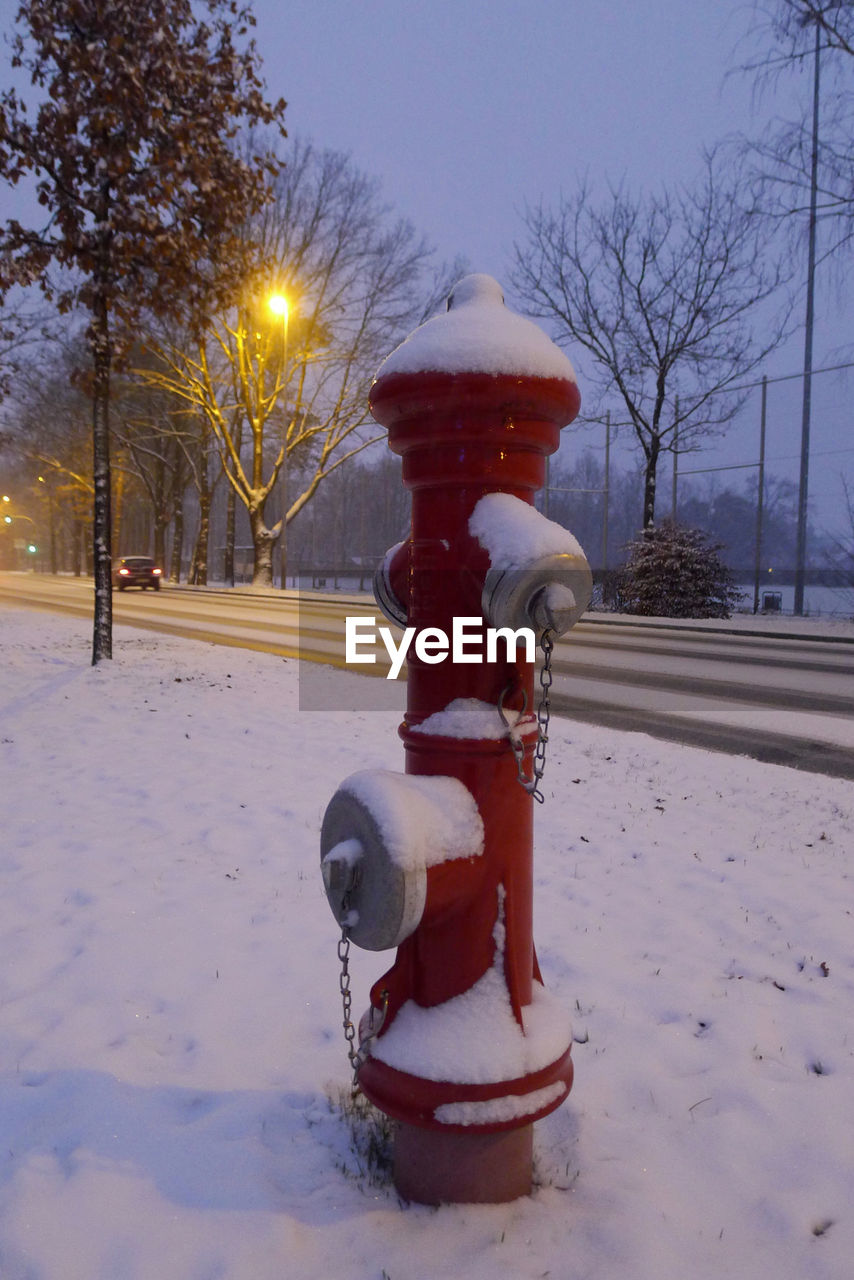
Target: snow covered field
(170,1046)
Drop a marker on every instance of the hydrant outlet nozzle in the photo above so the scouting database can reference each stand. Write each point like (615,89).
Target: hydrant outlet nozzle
(384,592)
(381,832)
(551,593)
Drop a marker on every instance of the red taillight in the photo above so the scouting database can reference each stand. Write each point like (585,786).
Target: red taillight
(157,572)
(124,573)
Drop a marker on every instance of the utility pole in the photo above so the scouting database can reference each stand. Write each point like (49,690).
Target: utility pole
(606,492)
(760,496)
(803,490)
(675,463)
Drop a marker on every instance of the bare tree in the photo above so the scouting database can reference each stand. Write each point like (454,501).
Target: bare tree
(355,280)
(50,434)
(790,21)
(173,452)
(204,472)
(840,554)
(23,325)
(661,293)
(131,146)
(156,452)
(813,39)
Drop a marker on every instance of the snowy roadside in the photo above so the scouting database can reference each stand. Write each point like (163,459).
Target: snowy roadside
(171,1028)
(780,625)
(838,623)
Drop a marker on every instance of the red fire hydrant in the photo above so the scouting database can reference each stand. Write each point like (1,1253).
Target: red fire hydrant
(462,1045)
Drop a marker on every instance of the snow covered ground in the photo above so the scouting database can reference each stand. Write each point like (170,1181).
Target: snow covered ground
(840,627)
(171,1055)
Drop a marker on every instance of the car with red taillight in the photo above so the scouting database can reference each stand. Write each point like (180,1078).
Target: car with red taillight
(137,571)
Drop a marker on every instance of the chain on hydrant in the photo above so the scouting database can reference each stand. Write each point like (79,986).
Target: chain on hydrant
(532,784)
(347,1004)
(356,1056)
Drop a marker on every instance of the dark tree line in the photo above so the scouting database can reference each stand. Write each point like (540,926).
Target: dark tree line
(726,515)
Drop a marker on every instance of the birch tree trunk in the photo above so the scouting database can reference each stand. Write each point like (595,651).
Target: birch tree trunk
(102,639)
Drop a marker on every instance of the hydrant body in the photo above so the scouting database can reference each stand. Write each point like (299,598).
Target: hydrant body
(472,1049)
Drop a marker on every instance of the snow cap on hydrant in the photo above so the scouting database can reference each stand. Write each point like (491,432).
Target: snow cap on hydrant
(478,334)
(463,1045)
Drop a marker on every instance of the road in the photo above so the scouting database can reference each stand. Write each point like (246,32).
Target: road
(782,698)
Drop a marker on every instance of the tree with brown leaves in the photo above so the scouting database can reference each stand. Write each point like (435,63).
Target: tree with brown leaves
(132,147)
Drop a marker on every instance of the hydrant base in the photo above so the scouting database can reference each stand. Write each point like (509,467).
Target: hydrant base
(434,1167)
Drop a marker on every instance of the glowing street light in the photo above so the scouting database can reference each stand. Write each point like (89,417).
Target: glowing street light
(278,304)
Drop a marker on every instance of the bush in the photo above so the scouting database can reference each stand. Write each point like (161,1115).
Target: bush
(675,572)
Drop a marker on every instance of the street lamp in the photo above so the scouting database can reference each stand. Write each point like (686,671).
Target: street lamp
(14,520)
(278,304)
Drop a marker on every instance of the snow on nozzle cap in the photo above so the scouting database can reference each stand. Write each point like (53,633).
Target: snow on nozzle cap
(478,333)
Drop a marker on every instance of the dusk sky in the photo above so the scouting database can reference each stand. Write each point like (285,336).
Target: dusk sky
(466,109)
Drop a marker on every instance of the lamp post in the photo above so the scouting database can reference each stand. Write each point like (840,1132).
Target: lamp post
(54,564)
(278,305)
(11,517)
